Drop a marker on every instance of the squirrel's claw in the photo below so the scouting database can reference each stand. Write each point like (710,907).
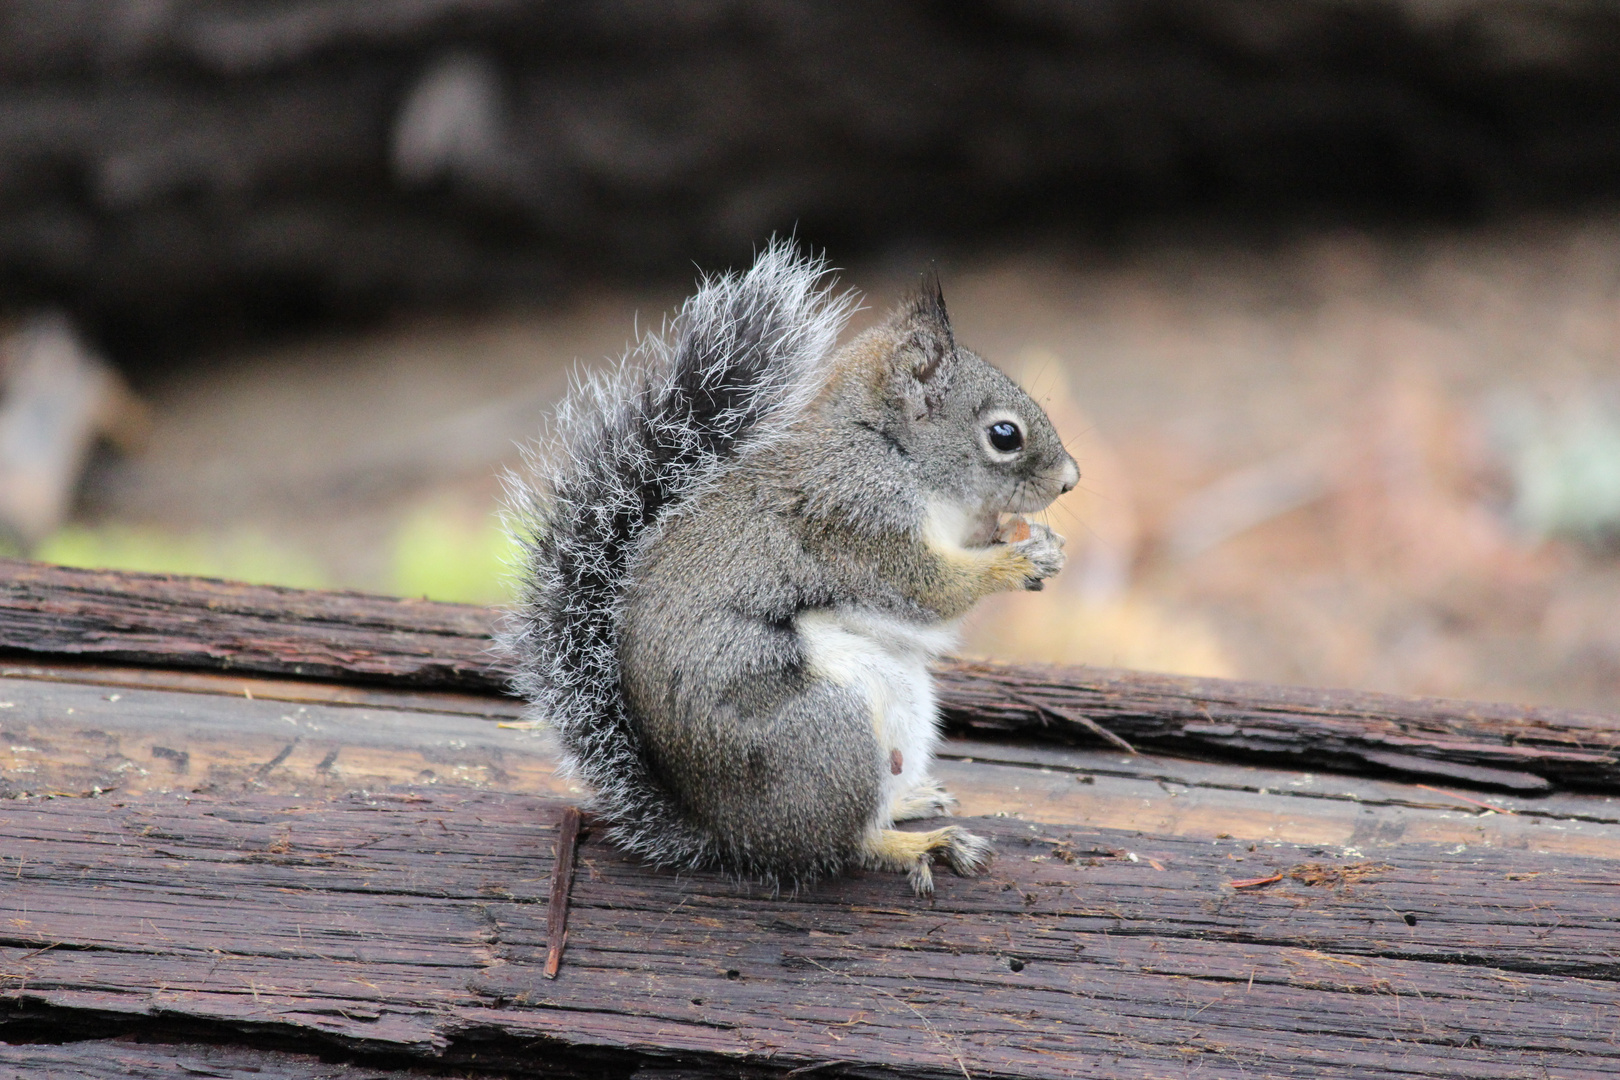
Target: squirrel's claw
(914,853)
(1044,550)
(967,854)
(928,799)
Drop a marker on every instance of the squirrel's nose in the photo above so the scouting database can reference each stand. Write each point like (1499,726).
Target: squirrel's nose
(1071,475)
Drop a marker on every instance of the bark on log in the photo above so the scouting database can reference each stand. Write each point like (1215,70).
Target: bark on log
(412,924)
(49,611)
(1522,748)
(203,735)
(176,621)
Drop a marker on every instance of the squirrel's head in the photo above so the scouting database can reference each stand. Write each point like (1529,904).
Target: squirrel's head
(971,434)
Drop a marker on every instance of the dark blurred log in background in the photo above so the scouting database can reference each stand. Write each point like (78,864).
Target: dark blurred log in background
(174,172)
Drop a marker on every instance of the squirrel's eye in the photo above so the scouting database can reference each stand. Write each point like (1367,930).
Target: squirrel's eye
(1005,436)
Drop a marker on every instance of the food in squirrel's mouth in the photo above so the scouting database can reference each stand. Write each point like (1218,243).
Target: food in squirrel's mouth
(1013,530)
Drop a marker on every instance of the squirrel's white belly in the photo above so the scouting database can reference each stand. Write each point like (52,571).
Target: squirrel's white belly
(887,659)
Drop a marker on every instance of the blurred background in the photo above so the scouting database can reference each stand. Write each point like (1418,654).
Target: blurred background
(1324,294)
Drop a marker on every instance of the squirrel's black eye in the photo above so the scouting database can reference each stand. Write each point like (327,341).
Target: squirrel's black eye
(1005,436)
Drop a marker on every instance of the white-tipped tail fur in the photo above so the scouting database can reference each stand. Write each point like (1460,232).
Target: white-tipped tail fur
(735,367)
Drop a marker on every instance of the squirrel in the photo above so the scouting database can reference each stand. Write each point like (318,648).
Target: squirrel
(741,550)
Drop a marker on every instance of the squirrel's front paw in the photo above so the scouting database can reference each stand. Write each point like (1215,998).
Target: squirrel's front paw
(1044,550)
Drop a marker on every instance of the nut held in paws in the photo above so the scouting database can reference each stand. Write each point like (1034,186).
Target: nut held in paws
(1013,531)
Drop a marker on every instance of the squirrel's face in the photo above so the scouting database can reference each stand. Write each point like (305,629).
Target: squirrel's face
(972,433)
(1020,451)
(989,445)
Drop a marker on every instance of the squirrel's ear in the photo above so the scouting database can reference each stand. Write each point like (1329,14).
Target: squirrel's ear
(931,328)
(927,346)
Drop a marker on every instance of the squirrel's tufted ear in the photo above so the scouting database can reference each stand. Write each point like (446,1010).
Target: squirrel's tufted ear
(926,352)
(931,329)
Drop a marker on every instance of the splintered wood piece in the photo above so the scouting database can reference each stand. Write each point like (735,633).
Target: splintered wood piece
(562,883)
(171,621)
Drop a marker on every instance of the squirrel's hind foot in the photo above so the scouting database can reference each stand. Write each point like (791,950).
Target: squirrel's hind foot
(928,799)
(914,853)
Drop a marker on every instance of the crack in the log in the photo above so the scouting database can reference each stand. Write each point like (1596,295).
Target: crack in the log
(554,1005)
(1529,811)
(37,947)
(182,952)
(473,1052)
(1601,971)
(1604,972)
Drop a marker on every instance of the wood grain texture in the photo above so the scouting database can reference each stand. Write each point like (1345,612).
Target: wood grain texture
(263,687)
(1522,748)
(178,621)
(63,613)
(413,924)
(67,739)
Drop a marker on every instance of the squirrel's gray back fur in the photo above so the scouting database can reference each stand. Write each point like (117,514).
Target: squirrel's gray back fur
(737,365)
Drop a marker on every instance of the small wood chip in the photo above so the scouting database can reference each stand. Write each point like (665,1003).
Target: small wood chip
(897,763)
(1255,882)
(1315,873)
(562,881)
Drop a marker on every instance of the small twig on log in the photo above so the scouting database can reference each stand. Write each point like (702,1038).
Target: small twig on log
(1076,718)
(801,1070)
(36,952)
(562,881)
(1466,799)
(1255,882)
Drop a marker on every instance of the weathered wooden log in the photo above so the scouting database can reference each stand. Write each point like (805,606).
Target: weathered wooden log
(1522,748)
(412,925)
(175,621)
(205,735)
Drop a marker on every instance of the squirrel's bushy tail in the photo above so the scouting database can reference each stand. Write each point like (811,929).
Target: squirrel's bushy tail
(736,365)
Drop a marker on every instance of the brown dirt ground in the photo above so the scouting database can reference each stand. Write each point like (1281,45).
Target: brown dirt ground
(1288,469)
